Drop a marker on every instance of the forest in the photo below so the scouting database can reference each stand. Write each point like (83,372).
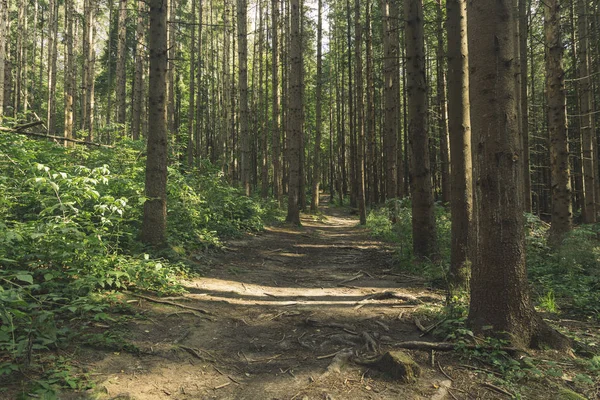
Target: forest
(408,192)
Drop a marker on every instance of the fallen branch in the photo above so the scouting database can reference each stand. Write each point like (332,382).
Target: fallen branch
(170,303)
(447,346)
(57,138)
(498,389)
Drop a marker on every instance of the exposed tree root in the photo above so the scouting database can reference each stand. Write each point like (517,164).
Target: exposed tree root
(154,300)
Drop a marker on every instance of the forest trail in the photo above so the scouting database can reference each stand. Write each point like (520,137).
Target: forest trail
(282,303)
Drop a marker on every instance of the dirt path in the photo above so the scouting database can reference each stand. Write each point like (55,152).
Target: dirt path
(283,302)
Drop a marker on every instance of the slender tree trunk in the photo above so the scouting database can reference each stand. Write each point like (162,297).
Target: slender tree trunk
(423,217)
(360,114)
(192,89)
(199,91)
(500,302)
(109,64)
(557,124)
(154,225)
(314,204)
(245,165)
(90,69)
(370,117)
(442,107)
(121,62)
(459,119)
(139,72)
(294,134)
(524,7)
(586,116)
(276,117)
(3,40)
(52,56)
(171,54)
(391,94)
(69,70)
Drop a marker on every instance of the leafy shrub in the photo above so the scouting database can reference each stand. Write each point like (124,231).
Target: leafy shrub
(69,227)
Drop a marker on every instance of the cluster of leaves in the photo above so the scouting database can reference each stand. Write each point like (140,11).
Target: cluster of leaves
(69,223)
(567,278)
(393,223)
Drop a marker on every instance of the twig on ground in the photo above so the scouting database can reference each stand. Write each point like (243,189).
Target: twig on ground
(169,303)
(498,389)
(360,275)
(444,372)
(222,386)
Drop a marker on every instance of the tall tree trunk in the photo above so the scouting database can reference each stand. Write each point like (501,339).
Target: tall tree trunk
(524,7)
(52,56)
(245,165)
(276,117)
(154,225)
(351,110)
(370,116)
(3,40)
(121,62)
(557,124)
(109,70)
(69,71)
(360,115)
(459,119)
(139,72)
(294,133)
(192,89)
(172,53)
(391,94)
(314,204)
(441,105)
(199,91)
(423,216)
(90,68)
(586,113)
(500,302)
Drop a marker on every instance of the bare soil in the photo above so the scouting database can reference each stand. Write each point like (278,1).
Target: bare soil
(283,304)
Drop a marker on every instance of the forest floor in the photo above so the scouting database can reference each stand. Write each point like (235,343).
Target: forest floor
(282,303)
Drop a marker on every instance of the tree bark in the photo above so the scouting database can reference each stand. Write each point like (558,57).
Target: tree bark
(423,217)
(69,70)
(371,137)
(445,155)
(52,56)
(524,7)
(191,89)
(500,302)
(294,133)
(459,119)
(3,39)
(360,116)
(139,72)
(314,204)
(390,92)
(586,116)
(245,162)
(276,115)
(121,63)
(557,124)
(154,225)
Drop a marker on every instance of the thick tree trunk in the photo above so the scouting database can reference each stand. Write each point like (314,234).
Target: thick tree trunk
(245,153)
(557,124)
(275,109)
(391,93)
(423,216)
(314,204)
(121,62)
(294,133)
(154,225)
(586,116)
(459,119)
(500,302)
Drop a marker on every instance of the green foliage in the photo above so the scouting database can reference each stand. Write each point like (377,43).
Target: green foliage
(566,278)
(393,223)
(69,223)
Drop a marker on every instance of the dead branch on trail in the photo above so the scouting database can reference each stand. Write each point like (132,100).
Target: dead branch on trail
(447,346)
(170,303)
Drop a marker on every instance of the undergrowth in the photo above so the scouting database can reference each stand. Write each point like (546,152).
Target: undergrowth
(69,227)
